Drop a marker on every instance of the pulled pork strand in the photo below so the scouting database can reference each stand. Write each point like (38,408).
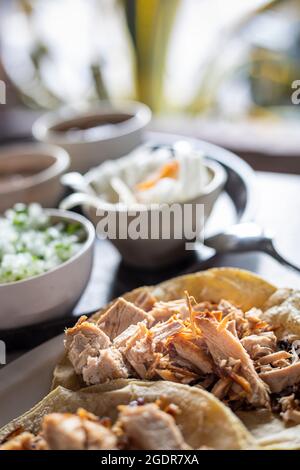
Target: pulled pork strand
(224,345)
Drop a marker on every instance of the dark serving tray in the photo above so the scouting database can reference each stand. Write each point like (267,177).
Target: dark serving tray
(111,277)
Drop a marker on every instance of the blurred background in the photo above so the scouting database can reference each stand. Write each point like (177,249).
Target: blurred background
(220,70)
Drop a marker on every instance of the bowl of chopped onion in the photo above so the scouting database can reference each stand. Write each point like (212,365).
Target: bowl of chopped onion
(46,258)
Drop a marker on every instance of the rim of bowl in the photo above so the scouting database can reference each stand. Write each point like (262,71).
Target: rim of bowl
(59,166)
(68,215)
(141,116)
(218,180)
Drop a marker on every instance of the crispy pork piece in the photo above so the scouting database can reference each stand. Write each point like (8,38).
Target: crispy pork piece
(162,311)
(227,308)
(162,331)
(121,315)
(280,378)
(246,323)
(192,353)
(278,357)
(145,300)
(131,332)
(139,351)
(174,368)
(290,409)
(254,315)
(84,340)
(224,346)
(260,345)
(279,296)
(147,427)
(283,312)
(205,306)
(25,441)
(231,326)
(173,373)
(108,365)
(90,352)
(64,431)
(221,388)
(291,416)
(235,314)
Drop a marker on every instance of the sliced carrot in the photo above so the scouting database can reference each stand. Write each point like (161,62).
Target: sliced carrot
(168,170)
(241,381)
(223,323)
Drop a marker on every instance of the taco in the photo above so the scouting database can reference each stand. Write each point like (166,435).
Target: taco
(126,415)
(225,330)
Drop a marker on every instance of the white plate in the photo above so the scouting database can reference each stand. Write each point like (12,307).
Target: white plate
(27,380)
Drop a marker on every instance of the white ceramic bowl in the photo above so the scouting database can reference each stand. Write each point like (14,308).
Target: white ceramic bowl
(54,293)
(31,173)
(152,252)
(89,149)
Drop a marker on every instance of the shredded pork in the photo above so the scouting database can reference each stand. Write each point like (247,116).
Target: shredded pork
(145,300)
(260,345)
(120,316)
(83,341)
(280,378)
(290,409)
(162,311)
(108,365)
(192,353)
(76,432)
(25,441)
(224,345)
(139,427)
(236,355)
(148,427)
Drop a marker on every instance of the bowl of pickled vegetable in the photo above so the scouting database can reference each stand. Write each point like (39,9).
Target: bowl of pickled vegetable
(46,258)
